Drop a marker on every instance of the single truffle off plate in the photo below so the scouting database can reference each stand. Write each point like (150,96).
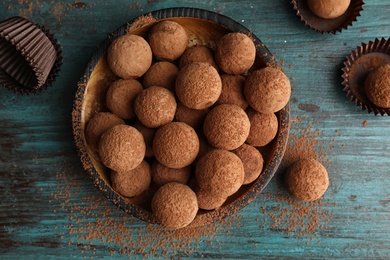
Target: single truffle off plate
(203,27)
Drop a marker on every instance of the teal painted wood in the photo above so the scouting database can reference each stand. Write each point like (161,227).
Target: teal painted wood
(46,196)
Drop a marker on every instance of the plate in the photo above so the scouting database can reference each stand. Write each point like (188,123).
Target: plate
(203,27)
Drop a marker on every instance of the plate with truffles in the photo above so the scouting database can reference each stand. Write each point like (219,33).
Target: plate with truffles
(181,117)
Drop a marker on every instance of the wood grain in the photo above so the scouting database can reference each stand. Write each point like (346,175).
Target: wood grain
(49,205)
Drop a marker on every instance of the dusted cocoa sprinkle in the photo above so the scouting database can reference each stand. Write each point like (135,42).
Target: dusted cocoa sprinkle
(174,205)
(176,145)
(198,85)
(220,172)
(97,125)
(235,53)
(92,219)
(233,91)
(121,95)
(133,182)
(168,40)
(148,134)
(197,53)
(282,213)
(191,117)
(263,128)
(162,74)
(162,174)
(252,160)
(226,126)
(155,106)
(122,148)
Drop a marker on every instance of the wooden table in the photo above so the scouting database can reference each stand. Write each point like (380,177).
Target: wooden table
(49,208)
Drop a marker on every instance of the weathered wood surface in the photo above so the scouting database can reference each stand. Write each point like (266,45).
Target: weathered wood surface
(46,197)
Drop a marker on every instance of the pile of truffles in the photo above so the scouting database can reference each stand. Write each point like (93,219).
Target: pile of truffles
(183,121)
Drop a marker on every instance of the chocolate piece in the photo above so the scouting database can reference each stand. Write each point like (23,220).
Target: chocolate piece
(129,56)
(226,127)
(322,25)
(377,86)
(176,145)
(232,91)
(121,96)
(307,179)
(174,205)
(133,182)
(162,174)
(168,40)
(252,160)
(235,53)
(97,125)
(198,85)
(155,106)
(220,172)
(162,74)
(267,90)
(122,148)
(359,64)
(198,53)
(264,128)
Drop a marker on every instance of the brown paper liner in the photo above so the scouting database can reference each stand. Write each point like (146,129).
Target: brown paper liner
(327,25)
(30,56)
(358,65)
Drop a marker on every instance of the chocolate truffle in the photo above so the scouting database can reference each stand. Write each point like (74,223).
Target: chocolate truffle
(267,90)
(226,126)
(198,85)
(174,205)
(122,148)
(97,125)
(232,91)
(377,86)
(132,182)
(121,95)
(148,134)
(235,53)
(252,160)
(176,145)
(328,9)
(191,117)
(197,53)
(161,74)
(264,128)
(208,201)
(162,174)
(307,179)
(129,56)
(220,172)
(168,40)
(155,106)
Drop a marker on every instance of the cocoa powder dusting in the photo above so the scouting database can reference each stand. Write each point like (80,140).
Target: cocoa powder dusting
(93,220)
(280,211)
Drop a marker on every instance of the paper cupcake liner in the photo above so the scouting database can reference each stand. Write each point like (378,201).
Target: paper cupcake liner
(327,25)
(30,56)
(359,63)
